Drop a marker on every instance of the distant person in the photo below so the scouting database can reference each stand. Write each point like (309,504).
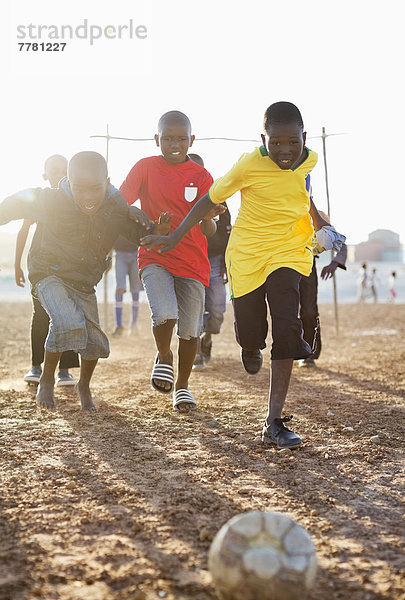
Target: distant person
(54,170)
(126,266)
(364,282)
(174,283)
(269,250)
(82,220)
(215,293)
(392,283)
(374,281)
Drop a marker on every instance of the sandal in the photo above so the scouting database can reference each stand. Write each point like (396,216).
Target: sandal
(163,372)
(183,400)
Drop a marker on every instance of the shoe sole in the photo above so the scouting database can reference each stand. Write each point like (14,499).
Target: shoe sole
(65,383)
(269,442)
(198,367)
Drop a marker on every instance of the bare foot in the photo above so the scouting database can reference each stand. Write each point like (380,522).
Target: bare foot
(85,398)
(45,395)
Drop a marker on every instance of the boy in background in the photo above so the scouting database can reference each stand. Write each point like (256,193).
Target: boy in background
(309,312)
(126,265)
(215,293)
(54,170)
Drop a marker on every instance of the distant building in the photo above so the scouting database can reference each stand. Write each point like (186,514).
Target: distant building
(382,245)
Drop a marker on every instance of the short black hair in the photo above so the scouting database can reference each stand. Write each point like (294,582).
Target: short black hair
(282,113)
(196,158)
(92,161)
(174,117)
(50,159)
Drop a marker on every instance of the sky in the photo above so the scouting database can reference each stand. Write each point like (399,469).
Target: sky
(222,63)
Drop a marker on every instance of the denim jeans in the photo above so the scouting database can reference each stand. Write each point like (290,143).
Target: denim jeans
(126,263)
(174,297)
(74,322)
(39,331)
(215,297)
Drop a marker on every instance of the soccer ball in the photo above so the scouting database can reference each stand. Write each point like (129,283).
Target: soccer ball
(262,556)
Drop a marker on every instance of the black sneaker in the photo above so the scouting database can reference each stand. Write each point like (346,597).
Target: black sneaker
(33,375)
(277,433)
(252,360)
(307,362)
(199,363)
(206,348)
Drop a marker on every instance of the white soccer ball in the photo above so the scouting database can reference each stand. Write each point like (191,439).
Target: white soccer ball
(262,556)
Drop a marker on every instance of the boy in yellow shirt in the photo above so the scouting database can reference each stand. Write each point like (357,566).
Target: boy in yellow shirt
(268,251)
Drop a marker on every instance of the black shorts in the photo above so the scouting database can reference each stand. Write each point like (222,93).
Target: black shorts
(281,290)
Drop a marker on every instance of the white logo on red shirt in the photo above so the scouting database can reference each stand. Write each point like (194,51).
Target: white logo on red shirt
(190,193)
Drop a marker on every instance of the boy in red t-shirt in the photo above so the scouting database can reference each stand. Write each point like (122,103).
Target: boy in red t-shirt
(175,282)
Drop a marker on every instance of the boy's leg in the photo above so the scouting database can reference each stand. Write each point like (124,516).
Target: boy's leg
(158,284)
(309,313)
(187,352)
(279,382)
(46,383)
(39,332)
(83,385)
(190,295)
(215,305)
(74,324)
(121,270)
(135,310)
(97,346)
(282,288)
(163,337)
(68,360)
(251,327)
(135,286)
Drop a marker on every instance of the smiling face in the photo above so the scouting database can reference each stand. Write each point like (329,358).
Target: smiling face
(285,144)
(174,139)
(88,181)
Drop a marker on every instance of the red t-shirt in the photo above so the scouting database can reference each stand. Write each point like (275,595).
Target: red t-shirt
(162,187)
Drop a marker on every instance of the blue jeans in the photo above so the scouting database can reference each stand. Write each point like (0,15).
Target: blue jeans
(74,322)
(174,297)
(126,263)
(215,297)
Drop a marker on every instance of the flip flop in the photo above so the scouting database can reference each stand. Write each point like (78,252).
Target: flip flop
(163,372)
(183,399)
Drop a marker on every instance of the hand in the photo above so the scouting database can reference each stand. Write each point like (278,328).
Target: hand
(19,276)
(162,225)
(329,270)
(139,216)
(164,242)
(218,209)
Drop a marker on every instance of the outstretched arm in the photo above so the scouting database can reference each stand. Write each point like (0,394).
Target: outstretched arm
(23,205)
(19,249)
(317,220)
(208,224)
(169,242)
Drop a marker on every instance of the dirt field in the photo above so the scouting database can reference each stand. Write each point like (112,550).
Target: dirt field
(123,504)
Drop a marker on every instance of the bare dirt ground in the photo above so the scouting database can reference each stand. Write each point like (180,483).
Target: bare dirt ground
(123,504)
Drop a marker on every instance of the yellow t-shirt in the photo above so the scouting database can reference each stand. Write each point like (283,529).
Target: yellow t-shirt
(273,228)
